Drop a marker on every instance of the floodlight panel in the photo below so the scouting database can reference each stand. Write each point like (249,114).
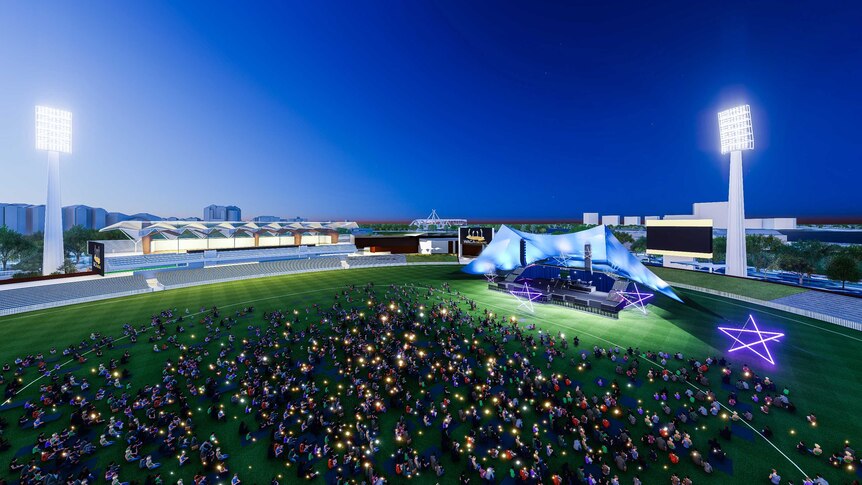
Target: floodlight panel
(53,130)
(734,126)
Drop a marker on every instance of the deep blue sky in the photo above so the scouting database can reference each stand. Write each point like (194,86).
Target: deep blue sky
(384,110)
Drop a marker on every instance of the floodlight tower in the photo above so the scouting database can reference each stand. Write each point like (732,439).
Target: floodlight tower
(53,135)
(736,135)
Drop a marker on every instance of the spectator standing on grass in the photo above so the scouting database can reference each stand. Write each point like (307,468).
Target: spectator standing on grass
(774,477)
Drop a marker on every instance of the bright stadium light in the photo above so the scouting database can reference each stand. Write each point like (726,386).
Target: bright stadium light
(53,130)
(53,135)
(736,134)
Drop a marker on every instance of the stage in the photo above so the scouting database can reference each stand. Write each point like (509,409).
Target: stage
(578,293)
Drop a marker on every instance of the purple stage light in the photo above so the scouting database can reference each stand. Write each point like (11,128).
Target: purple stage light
(759,338)
(526,297)
(635,299)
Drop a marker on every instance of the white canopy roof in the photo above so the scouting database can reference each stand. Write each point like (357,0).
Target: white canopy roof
(137,230)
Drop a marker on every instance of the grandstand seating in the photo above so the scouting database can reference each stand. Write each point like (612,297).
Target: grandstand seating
(287,251)
(51,295)
(128,263)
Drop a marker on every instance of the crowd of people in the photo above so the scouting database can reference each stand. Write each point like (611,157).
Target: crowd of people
(384,382)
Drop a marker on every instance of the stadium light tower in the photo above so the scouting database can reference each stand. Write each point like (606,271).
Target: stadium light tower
(53,135)
(736,135)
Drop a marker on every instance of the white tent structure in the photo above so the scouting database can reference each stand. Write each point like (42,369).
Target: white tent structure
(151,235)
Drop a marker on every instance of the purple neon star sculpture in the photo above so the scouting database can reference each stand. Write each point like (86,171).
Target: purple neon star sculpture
(635,299)
(757,337)
(526,297)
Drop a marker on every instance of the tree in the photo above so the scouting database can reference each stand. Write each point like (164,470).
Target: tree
(30,261)
(12,244)
(639,246)
(719,250)
(68,267)
(624,237)
(796,265)
(762,250)
(814,252)
(75,240)
(843,268)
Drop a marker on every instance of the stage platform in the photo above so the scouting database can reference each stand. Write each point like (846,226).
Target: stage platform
(579,295)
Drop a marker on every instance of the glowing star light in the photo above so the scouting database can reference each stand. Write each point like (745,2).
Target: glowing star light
(635,299)
(526,297)
(757,337)
(563,259)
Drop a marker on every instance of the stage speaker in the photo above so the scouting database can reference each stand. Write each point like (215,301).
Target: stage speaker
(523,252)
(588,258)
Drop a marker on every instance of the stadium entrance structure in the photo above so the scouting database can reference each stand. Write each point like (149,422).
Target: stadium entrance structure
(183,236)
(588,270)
(434,221)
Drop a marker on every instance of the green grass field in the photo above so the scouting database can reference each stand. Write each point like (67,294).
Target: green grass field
(815,360)
(760,290)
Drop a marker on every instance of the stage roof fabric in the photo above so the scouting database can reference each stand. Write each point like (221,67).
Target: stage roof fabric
(566,250)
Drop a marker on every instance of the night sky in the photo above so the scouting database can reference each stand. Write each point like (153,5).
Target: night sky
(385,110)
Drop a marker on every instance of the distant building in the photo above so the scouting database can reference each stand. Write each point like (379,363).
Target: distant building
(229,213)
(84,215)
(611,220)
(591,218)
(266,219)
(14,217)
(717,211)
(98,218)
(35,219)
(76,215)
(234,214)
(632,220)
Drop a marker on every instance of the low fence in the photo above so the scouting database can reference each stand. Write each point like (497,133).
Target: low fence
(776,306)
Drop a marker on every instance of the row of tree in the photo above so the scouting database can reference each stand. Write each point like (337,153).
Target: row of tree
(24,252)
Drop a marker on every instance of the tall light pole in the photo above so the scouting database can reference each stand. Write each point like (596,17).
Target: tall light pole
(736,135)
(53,135)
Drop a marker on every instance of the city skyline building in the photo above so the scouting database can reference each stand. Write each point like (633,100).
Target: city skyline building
(229,213)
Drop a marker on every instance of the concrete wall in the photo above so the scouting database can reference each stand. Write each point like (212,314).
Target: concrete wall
(717,211)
